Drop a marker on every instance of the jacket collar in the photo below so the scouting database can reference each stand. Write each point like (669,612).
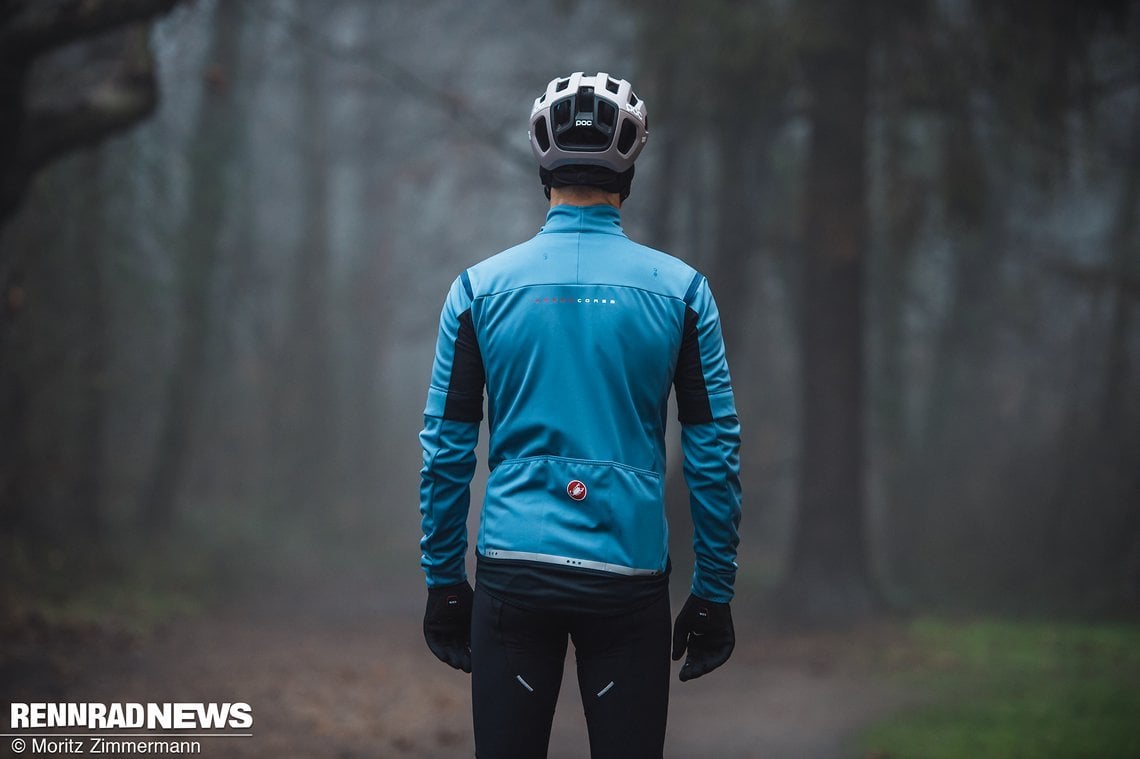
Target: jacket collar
(602,218)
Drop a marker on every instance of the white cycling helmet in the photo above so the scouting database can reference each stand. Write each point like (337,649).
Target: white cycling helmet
(590,121)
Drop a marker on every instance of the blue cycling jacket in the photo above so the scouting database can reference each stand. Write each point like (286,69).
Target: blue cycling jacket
(578,336)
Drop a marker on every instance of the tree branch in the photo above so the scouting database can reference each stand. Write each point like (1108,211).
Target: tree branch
(35,26)
(116,103)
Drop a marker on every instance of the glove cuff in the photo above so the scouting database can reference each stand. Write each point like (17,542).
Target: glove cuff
(449,599)
(444,590)
(720,604)
(703,609)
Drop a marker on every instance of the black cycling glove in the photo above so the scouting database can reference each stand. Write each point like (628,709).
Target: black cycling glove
(447,624)
(705,628)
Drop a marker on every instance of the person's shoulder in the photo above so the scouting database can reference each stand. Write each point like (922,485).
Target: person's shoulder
(495,268)
(504,258)
(672,262)
(674,274)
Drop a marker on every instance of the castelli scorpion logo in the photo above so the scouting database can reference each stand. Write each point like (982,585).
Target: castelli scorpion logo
(576,489)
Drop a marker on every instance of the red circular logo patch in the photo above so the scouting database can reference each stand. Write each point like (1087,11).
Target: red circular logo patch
(576,489)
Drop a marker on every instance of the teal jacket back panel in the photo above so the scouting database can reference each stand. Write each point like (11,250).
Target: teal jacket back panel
(578,336)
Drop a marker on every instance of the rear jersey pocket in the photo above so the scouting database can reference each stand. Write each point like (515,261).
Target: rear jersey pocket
(600,512)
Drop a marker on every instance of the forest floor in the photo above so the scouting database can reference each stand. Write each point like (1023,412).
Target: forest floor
(340,670)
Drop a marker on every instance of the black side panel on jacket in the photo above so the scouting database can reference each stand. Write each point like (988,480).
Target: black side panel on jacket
(689,378)
(465,390)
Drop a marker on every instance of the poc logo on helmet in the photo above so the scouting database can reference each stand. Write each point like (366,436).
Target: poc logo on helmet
(583,122)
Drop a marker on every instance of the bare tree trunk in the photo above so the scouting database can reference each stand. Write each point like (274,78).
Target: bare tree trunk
(368,461)
(888,287)
(1120,457)
(947,511)
(14,396)
(91,425)
(742,127)
(829,579)
(904,201)
(306,447)
(213,148)
(1123,244)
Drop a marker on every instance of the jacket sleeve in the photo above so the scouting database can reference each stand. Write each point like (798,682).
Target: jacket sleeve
(710,443)
(452,416)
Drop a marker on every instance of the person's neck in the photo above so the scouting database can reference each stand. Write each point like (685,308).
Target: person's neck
(583,196)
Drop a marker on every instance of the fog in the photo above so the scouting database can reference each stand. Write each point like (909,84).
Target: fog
(217,323)
(226,315)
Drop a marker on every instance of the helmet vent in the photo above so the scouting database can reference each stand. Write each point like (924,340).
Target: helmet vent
(627,137)
(542,134)
(607,114)
(611,85)
(562,84)
(560,113)
(633,100)
(585,101)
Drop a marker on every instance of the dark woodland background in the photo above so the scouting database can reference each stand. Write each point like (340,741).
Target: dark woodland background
(228,228)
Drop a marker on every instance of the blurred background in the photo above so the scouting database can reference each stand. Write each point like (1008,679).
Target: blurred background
(227,228)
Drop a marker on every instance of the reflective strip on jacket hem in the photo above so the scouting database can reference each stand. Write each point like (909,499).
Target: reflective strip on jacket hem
(566,561)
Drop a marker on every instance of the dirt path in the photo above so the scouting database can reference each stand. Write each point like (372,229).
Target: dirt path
(330,676)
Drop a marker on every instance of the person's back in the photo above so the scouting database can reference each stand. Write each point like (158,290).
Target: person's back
(578,336)
(580,330)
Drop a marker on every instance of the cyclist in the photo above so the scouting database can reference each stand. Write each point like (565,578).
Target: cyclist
(578,336)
